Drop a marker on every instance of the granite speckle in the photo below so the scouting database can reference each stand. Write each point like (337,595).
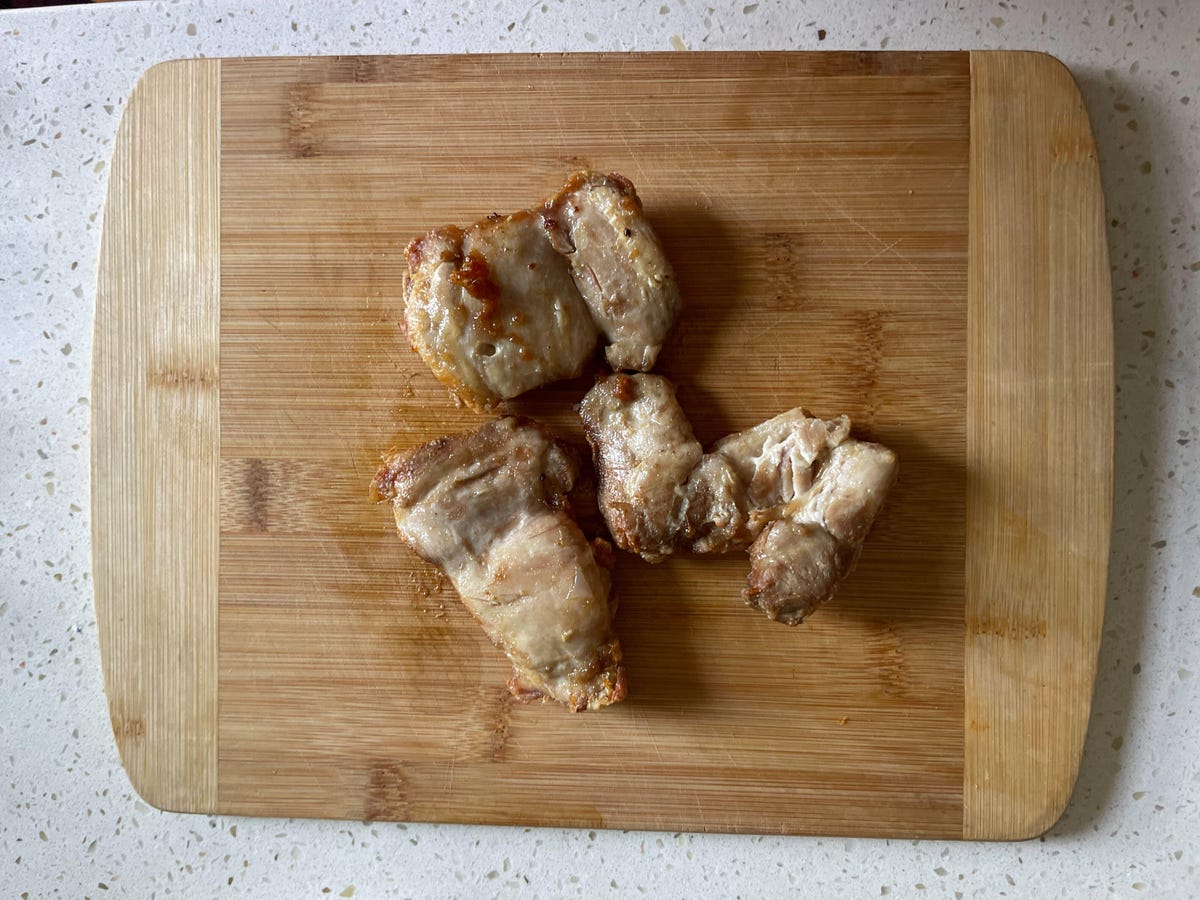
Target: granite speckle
(72,825)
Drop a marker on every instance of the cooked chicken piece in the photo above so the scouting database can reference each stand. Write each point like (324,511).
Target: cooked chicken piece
(644,451)
(489,508)
(794,568)
(618,263)
(515,302)
(796,490)
(798,561)
(747,476)
(493,310)
(659,492)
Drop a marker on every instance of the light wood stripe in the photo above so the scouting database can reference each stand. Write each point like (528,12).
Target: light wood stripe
(1039,442)
(156,436)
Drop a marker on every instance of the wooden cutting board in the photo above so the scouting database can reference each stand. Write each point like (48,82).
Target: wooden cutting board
(916,239)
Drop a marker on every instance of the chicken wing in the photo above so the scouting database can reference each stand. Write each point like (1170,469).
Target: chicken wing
(796,490)
(618,264)
(490,508)
(493,310)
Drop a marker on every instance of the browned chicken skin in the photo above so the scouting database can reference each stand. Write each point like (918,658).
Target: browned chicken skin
(493,309)
(618,264)
(490,508)
(796,490)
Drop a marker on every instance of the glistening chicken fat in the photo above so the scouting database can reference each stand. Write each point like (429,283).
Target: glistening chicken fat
(493,309)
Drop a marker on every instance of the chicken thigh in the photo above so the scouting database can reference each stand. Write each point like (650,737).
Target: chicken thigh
(515,302)
(490,509)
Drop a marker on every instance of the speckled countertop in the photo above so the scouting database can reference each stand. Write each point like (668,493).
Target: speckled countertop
(71,824)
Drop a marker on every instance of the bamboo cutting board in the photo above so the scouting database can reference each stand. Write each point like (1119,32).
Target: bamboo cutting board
(914,239)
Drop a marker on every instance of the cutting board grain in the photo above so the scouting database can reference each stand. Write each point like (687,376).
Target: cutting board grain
(914,239)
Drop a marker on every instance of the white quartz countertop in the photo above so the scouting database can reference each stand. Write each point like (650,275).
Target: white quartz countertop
(72,826)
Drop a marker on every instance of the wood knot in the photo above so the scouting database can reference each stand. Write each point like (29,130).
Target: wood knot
(1007,629)
(127,729)
(499,736)
(890,662)
(387,793)
(1071,145)
(301,138)
(866,328)
(180,378)
(785,290)
(258,484)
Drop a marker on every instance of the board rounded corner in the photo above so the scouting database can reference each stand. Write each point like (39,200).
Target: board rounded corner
(151,78)
(1029,827)
(1056,82)
(150,791)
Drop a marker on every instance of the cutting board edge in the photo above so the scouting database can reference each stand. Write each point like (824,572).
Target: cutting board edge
(1027,108)
(155,436)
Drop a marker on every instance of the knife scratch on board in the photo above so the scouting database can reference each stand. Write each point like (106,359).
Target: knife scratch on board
(849,217)
(641,720)
(624,133)
(449,788)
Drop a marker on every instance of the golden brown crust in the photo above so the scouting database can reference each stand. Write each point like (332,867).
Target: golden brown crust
(550,211)
(493,309)
(644,450)
(399,467)
(795,567)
